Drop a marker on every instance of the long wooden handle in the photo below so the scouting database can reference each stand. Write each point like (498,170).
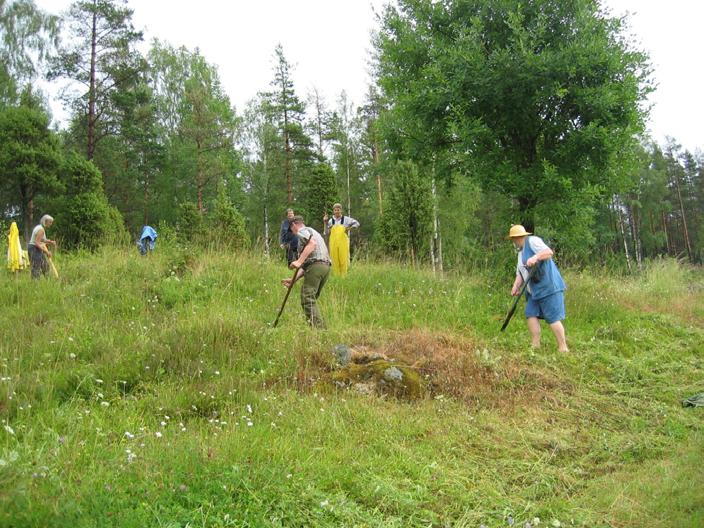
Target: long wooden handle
(518,297)
(288,291)
(54,272)
(290,286)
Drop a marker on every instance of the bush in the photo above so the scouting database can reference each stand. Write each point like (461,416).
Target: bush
(84,218)
(227,224)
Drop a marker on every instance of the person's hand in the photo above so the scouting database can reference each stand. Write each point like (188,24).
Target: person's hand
(532,261)
(325,217)
(286,282)
(283,246)
(515,291)
(48,253)
(296,264)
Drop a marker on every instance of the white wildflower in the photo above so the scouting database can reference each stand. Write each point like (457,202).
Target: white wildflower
(158,434)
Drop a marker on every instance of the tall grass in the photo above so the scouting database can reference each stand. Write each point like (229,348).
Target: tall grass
(154,392)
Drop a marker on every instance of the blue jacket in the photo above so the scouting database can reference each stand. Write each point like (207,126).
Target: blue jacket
(549,280)
(148,232)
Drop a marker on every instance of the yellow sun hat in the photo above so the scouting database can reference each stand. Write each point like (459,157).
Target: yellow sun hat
(517,230)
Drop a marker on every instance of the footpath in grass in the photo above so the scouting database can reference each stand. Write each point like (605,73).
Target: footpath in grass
(154,392)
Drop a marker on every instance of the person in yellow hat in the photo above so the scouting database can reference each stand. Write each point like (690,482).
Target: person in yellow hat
(38,250)
(545,290)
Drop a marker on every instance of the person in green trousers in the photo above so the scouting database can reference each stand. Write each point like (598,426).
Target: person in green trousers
(313,264)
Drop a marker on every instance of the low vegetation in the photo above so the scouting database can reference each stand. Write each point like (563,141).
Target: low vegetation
(154,392)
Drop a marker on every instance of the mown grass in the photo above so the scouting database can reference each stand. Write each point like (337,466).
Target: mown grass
(154,392)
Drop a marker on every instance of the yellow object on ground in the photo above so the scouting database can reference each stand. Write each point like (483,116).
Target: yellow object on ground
(16,257)
(339,250)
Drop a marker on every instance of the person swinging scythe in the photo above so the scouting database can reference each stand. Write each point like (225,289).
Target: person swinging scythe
(543,285)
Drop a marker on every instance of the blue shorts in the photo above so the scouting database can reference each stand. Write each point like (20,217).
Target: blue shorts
(550,308)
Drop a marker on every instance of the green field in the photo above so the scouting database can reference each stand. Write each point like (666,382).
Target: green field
(154,392)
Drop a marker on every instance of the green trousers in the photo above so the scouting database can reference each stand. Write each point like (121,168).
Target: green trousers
(315,277)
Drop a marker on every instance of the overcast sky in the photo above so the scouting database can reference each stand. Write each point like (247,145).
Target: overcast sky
(328,43)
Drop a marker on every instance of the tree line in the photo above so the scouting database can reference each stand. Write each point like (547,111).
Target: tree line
(481,114)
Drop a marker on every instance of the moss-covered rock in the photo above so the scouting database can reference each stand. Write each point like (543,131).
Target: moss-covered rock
(381,377)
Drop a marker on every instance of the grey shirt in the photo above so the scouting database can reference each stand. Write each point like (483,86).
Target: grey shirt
(320,253)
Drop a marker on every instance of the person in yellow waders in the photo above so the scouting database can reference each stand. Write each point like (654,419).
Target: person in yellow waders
(338,227)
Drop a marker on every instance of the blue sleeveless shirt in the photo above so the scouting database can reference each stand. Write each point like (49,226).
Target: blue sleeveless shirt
(550,279)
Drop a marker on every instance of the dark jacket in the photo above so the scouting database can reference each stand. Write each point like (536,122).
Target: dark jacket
(286,236)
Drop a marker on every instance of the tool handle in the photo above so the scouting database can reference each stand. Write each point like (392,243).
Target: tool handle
(518,297)
(290,286)
(288,291)
(54,272)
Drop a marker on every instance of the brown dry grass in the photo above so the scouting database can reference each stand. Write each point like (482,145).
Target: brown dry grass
(451,367)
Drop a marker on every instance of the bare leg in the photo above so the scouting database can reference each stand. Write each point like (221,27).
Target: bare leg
(534,327)
(559,332)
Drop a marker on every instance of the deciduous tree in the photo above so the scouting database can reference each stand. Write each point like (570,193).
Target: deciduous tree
(540,100)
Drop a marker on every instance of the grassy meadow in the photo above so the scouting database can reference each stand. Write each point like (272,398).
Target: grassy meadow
(153,391)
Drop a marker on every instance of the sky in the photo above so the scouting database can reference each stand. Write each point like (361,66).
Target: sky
(328,43)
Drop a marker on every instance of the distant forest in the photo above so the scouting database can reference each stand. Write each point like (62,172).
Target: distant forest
(481,114)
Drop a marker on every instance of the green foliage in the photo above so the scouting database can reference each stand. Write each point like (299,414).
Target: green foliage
(406,224)
(132,161)
(538,100)
(101,57)
(197,127)
(30,159)
(318,193)
(227,223)
(84,219)
(284,108)
(27,35)
(190,225)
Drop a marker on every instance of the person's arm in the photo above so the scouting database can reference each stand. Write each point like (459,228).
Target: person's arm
(307,250)
(516,288)
(352,223)
(40,241)
(545,254)
(287,282)
(327,223)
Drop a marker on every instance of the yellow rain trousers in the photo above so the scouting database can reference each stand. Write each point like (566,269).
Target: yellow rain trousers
(16,258)
(339,250)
